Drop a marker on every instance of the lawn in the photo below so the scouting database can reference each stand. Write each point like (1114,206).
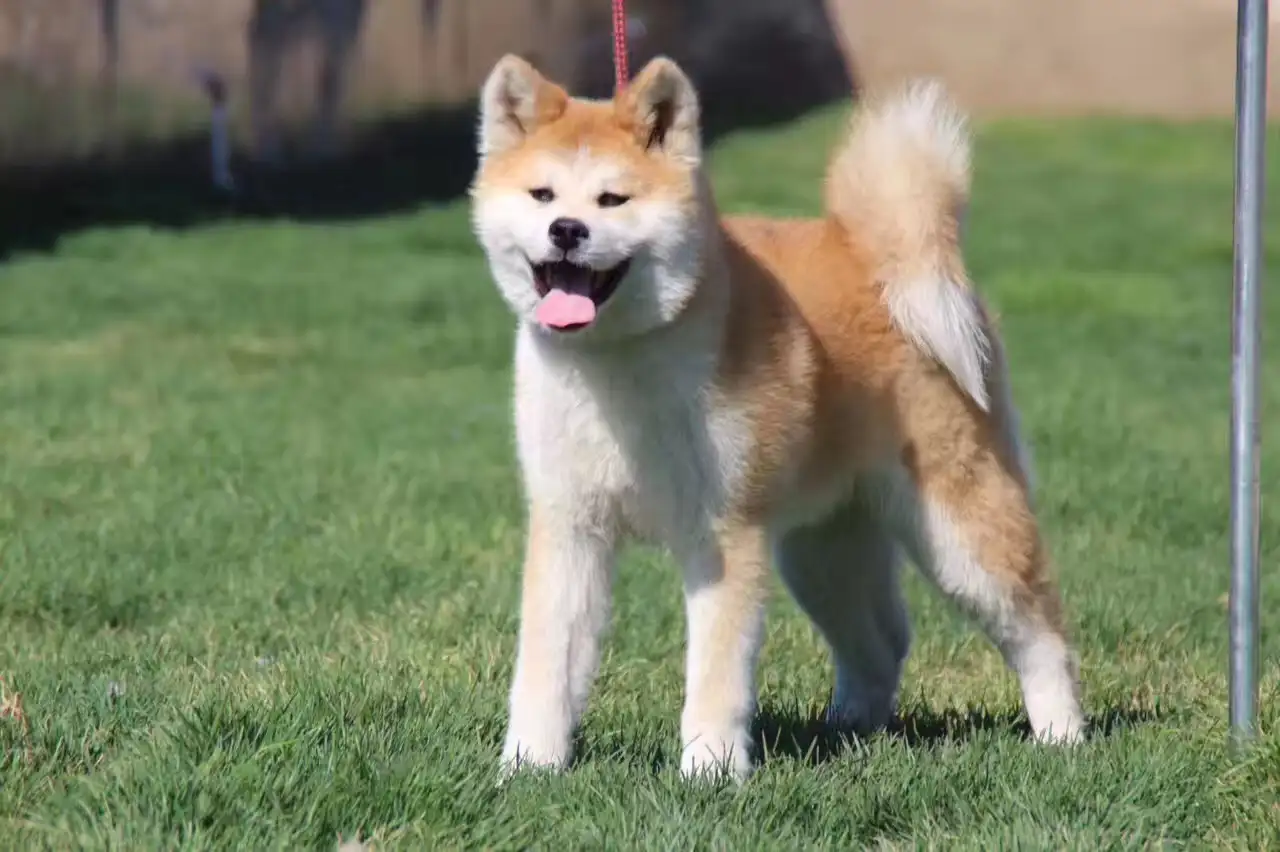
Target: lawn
(261,527)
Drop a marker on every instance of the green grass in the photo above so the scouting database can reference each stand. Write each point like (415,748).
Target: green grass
(260,528)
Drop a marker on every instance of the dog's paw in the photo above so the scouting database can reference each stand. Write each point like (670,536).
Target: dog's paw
(521,754)
(862,709)
(716,756)
(1067,729)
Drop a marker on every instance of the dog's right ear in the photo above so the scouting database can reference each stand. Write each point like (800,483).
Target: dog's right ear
(515,100)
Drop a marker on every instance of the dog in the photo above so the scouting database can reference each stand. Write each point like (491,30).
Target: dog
(821,394)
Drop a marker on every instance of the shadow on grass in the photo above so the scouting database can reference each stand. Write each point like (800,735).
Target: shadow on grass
(796,736)
(392,165)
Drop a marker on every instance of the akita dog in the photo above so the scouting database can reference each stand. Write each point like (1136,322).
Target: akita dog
(822,393)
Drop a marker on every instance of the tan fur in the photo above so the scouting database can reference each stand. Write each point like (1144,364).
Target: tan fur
(840,391)
(831,381)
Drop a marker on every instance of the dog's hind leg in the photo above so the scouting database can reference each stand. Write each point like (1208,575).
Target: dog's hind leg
(964,513)
(843,572)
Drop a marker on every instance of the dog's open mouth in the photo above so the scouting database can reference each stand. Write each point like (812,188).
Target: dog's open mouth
(572,294)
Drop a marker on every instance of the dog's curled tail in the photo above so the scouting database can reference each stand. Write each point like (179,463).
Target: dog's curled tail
(899,184)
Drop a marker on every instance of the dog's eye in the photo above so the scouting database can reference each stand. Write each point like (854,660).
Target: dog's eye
(542,195)
(611,199)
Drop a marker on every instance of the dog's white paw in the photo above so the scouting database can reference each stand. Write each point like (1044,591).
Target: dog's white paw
(1051,695)
(1067,728)
(524,754)
(710,755)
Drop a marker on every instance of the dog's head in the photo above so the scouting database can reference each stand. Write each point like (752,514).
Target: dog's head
(590,211)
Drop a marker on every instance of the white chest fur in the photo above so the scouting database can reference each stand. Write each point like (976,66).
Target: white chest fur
(639,435)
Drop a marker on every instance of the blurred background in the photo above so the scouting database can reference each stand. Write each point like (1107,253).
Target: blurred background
(260,516)
(353,107)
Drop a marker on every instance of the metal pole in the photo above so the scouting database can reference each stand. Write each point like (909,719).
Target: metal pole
(1250,179)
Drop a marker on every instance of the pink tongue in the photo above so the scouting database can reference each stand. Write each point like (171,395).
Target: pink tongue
(559,309)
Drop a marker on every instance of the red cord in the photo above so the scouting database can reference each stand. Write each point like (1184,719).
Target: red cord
(620,44)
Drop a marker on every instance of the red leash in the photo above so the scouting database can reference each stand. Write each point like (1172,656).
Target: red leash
(620,44)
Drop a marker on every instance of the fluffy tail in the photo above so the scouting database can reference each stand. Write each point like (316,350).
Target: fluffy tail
(899,185)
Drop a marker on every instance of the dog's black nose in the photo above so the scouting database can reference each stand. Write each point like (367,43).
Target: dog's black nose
(568,234)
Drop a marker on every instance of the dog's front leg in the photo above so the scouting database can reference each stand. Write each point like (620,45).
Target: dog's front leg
(564,609)
(724,596)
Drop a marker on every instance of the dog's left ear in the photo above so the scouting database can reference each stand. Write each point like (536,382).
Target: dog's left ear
(515,101)
(660,106)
